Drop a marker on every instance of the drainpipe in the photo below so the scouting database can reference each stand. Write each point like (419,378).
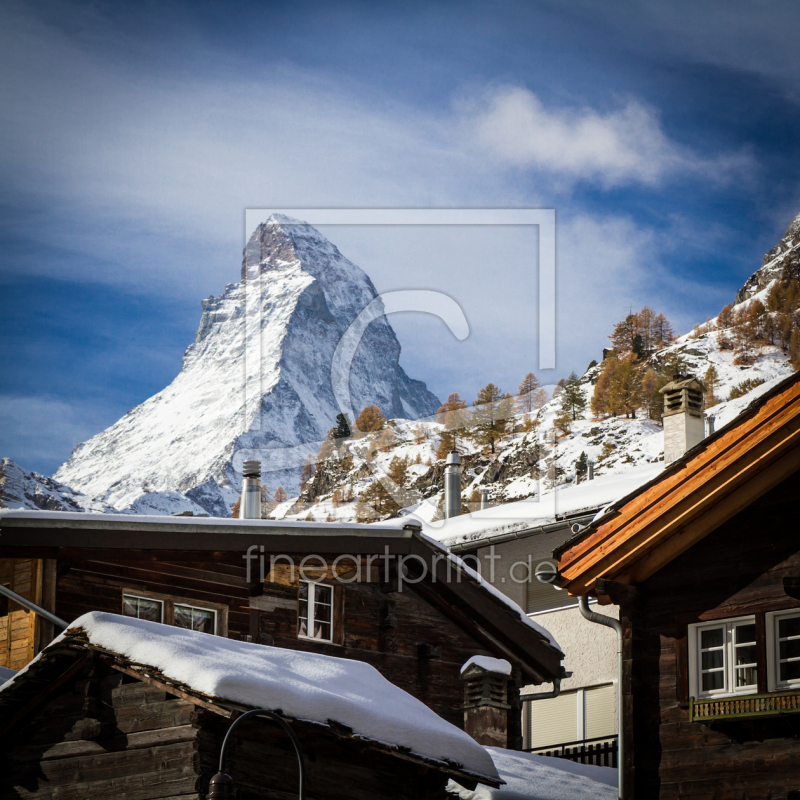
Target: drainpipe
(610,622)
(25,603)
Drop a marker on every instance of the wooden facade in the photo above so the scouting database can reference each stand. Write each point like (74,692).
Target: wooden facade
(82,723)
(417,637)
(717,548)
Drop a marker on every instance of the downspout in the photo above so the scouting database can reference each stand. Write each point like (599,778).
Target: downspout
(18,598)
(610,622)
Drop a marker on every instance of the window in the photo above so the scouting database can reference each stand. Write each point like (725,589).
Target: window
(783,649)
(723,657)
(573,716)
(315,611)
(142,608)
(182,612)
(195,619)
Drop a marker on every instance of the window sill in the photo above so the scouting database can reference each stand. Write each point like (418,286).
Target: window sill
(746,706)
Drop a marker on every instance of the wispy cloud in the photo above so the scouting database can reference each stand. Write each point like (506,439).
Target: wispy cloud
(611,148)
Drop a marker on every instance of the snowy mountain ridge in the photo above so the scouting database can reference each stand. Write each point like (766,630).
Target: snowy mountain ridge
(175,452)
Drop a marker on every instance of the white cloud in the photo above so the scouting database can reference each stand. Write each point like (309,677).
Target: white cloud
(613,148)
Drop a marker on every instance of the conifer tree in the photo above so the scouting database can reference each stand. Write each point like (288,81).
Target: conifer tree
(525,393)
(486,424)
(573,401)
(343,430)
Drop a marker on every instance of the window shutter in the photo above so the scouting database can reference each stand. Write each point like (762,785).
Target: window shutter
(542,597)
(600,712)
(554,721)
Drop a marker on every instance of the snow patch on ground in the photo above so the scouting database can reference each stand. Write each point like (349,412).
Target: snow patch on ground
(531,777)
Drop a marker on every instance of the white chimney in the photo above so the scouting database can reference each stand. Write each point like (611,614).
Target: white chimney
(250,503)
(484,491)
(452,485)
(684,426)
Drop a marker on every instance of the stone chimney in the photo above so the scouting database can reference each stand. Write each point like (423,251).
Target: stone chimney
(684,426)
(486,700)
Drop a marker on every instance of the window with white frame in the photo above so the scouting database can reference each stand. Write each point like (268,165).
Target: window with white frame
(315,611)
(182,612)
(142,608)
(723,657)
(783,649)
(195,618)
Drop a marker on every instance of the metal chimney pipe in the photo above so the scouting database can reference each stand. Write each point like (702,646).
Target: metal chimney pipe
(590,471)
(250,505)
(484,490)
(452,485)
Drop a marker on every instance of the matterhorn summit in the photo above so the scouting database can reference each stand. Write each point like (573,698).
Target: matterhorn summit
(256,383)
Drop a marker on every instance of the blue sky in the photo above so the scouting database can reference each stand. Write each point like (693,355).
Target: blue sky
(665,135)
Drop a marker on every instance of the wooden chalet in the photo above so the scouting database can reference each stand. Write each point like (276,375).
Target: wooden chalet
(134,710)
(417,621)
(704,563)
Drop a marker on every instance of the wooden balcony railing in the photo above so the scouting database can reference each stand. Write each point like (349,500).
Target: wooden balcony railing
(602,751)
(747,707)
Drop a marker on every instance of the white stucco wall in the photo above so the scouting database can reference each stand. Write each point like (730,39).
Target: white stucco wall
(590,650)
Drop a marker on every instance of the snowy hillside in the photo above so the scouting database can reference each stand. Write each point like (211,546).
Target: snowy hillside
(541,463)
(298,294)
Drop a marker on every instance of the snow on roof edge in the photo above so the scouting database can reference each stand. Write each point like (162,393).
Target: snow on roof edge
(309,687)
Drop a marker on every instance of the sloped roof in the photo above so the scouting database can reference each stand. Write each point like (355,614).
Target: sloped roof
(455,589)
(346,695)
(644,531)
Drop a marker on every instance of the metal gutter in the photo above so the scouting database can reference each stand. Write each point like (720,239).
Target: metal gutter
(524,533)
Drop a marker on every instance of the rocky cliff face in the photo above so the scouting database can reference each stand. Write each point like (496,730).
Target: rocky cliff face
(783,262)
(298,295)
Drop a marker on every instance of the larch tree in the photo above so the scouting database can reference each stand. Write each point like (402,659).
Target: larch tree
(370,419)
(453,403)
(525,393)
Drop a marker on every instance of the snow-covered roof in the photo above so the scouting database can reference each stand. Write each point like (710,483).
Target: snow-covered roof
(498,665)
(308,687)
(536,511)
(531,777)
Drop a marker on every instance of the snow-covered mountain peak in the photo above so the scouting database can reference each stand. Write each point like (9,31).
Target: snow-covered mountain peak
(257,379)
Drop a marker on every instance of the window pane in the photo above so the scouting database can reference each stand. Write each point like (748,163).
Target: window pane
(712,659)
(129,607)
(745,634)
(183,617)
(790,671)
(790,649)
(746,676)
(150,609)
(322,631)
(712,638)
(712,680)
(789,627)
(202,620)
(746,654)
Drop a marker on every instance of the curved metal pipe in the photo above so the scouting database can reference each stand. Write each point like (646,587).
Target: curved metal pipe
(225,783)
(616,625)
(31,606)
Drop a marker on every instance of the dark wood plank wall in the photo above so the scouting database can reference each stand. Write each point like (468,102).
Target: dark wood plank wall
(106,735)
(414,645)
(103,735)
(736,571)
